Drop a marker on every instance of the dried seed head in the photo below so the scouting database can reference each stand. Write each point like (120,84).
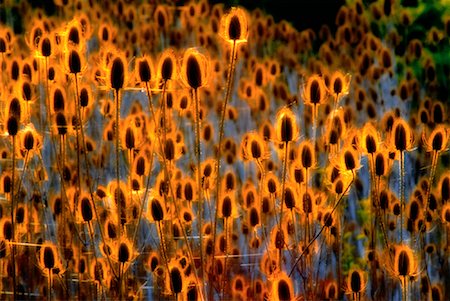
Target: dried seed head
(438,112)
(290,198)
(227,206)
(111,229)
(286,126)
(380,164)
(86,209)
(15,108)
(350,160)
(74,61)
(446,213)
(307,154)
(12,126)
(167,65)
(7,229)
(315,92)
(355,281)
(84,96)
(176,280)
(27,93)
(48,257)
(331,290)
(58,99)
(401,135)
(156,210)
(234,26)
(28,140)
(61,123)
(444,187)
(254,216)
(282,288)
(117,70)
(144,68)
(414,210)
(124,252)
(195,69)
(46,46)
(129,138)
(438,140)
(403,263)
(369,139)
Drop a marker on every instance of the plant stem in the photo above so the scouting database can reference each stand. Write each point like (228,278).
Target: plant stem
(13,205)
(230,77)
(199,173)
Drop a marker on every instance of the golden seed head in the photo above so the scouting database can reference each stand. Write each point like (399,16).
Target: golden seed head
(234,26)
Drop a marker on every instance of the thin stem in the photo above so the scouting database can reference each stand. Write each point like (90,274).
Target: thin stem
(283,182)
(13,205)
(431,178)
(402,196)
(225,224)
(230,77)
(199,179)
(47,96)
(119,203)
(283,186)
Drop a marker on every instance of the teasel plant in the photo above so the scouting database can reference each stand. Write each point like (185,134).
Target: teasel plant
(167,74)
(356,283)
(13,128)
(49,261)
(286,132)
(339,87)
(234,30)
(401,140)
(227,211)
(314,94)
(256,149)
(307,160)
(195,73)
(404,267)
(46,49)
(370,145)
(73,63)
(116,79)
(435,144)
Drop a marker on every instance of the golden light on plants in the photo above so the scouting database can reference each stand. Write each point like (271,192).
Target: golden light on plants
(197,151)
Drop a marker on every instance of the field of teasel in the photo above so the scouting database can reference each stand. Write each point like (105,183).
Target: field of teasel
(194,151)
